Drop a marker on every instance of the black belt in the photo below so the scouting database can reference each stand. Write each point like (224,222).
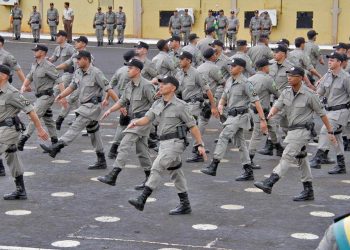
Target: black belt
(169,136)
(52,19)
(120,24)
(48,92)
(177,27)
(187,26)
(266,28)
(255,29)
(110,23)
(237,111)
(220,28)
(338,107)
(13,121)
(99,23)
(17,18)
(234,29)
(94,100)
(139,114)
(195,99)
(35,22)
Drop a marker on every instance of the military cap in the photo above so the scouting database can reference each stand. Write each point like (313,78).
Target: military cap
(129,55)
(281,47)
(61,33)
(192,36)
(185,54)
(341,46)
(208,53)
(175,38)
(161,44)
(262,63)
(135,63)
(169,79)
(296,71)
(5,70)
(337,56)
(238,62)
(241,42)
(218,43)
(40,47)
(141,44)
(84,53)
(82,39)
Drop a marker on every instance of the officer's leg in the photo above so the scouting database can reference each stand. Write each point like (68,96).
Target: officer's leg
(340,168)
(50,123)
(93,128)
(118,34)
(247,174)
(33,33)
(142,151)
(202,124)
(96,33)
(230,42)
(255,142)
(195,109)
(234,39)
(38,34)
(75,129)
(116,141)
(122,35)
(54,31)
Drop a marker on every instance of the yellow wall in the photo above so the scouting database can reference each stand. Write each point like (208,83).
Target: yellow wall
(344,21)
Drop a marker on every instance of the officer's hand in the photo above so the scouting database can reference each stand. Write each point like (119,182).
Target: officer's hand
(42,134)
(215,112)
(64,103)
(201,151)
(220,109)
(105,103)
(106,114)
(263,127)
(124,111)
(155,81)
(132,124)
(58,98)
(332,139)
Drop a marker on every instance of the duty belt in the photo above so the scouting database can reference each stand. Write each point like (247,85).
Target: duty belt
(110,23)
(37,22)
(234,29)
(266,28)
(177,27)
(48,92)
(237,111)
(99,23)
(139,114)
(220,28)
(338,107)
(16,18)
(187,26)
(168,136)
(13,121)
(195,99)
(52,19)
(94,100)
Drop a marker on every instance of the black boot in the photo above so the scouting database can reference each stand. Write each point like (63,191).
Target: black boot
(54,149)
(252,163)
(268,149)
(142,185)
(346,143)
(211,169)
(140,201)
(112,154)
(54,140)
(247,175)
(2,168)
(316,161)
(195,158)
(267,184)
(327,160)
(307,194)
(279,149)
(20,193)
(184,207)
(101,162)
(340,167)
(22,141)
(111,177)
(59,122)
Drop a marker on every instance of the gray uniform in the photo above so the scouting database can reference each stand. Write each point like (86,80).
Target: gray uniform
(111,24)
(299,110)
(35,24)
(149,70)
(186,24)
(255,29)
(233,23)
(222,62)
(238,94)
(11,103)
(174,55)
(9,60)
(197,58)
(52,21)
(91,85)
(209,22)
(17,16)
(222,25)
(175,25)
(139,95)
(99,25)
(258,52)
(312,50)
(336,88)
(279,74)
(164,64)
(44,77)
(61,54)
(266,25)
(203,44)
(168,117)
(121,21)
(265,87)
(299,58)
(249,69)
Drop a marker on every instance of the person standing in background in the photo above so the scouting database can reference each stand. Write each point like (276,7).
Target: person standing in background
(68,18)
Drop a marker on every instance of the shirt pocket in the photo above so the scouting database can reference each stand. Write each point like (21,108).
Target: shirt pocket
(300,107)
(2,106)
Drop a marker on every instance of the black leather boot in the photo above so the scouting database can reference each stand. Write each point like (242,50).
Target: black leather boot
(53,141)
(268,149)
(307,194)
(111,177)
(142,185)
(267,184)
(59,122)
(2,168)
(139,202)
(340,167)
(195,158)
(346,143)
(184,207)
(54,149)
(20,193)
(327,160)
(112,154)
(279,149)
(254,166)
(316,161)
(22,140)
(247,175)
(211,169)
(101,162)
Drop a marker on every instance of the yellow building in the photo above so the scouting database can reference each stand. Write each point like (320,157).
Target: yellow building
(328,17)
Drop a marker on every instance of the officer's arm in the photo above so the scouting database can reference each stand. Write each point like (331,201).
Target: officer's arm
(139,122)
(26,85)
(40,130)
(112,94)
(20,74)
(198,139)
(260,110)
(66,92)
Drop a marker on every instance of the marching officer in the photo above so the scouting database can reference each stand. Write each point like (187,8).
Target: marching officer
(260,50)
(232,30)
(266,24)
(99,26)
(222,26)
(300,103)
(186,26)
(12,102)
(16,20)
(121,24)
(203,44)
(35,24)
(164,64)
(242,49)
(111,24)
(255,28)
(174,119)
(149,69)
(53,19)
(192,48)
(175,24)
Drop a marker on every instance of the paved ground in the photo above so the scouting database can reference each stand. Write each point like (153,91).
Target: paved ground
(253,221)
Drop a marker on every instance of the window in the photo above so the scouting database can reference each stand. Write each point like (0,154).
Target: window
(305,19)
(247,16)
(164,17)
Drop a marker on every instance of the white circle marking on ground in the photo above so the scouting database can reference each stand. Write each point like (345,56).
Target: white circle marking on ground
(197,171)
(234,149)
(322,214)
(131,166)
(107,219)
(232,207)
(346,181)
(340,197)
(18,212)
(26,174)
(66,243)
(205,227)
(169,184)
(94,179)
(253,190)
(267,175)
(304,236)
(88,151)
(30,147)
(151,199)
(224,161)
(60,161)
(109,135)
(62,194)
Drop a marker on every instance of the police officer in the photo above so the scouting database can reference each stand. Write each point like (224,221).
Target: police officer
(175,49)
(175,24)
(266,24)
(312,50)
(92,83)
(44,77)
(232,30)
(121,24)
(139,96)
(299,103)
(149,71)
(174,118)
(209,21)
(16,20)
(238,93)
(222,60)
(260,50)
(12,102)
(203,44)
(186,26)
(53,19)
(35,23)
(255,28)
(192,48)
(335,87)
(164,64)
(99,25)
(111,24)
(222,26)
(242,48)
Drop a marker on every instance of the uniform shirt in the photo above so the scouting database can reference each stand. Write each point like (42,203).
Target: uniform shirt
(255,23)
(149,70)
(171,115)
(264,86)
(209,22)
(175,22)
(299,108)
(222,22)
(312,50)
(121,18)
(43,75)
(186,21)
(164,64)
(111,18)
(299,58)
(120,79)
(99,19)
(63,53)
(233,22)
(266,23)
(211,74)
(72,61)
(174,55)
(68,14)
(203,44)
(139,94)
(249,70)
(222,62)
(17,13)
(197,58)
(239,92)
(191,84)
(279,74)
(35,19)
(52,16)
(258,52)
(9,60)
